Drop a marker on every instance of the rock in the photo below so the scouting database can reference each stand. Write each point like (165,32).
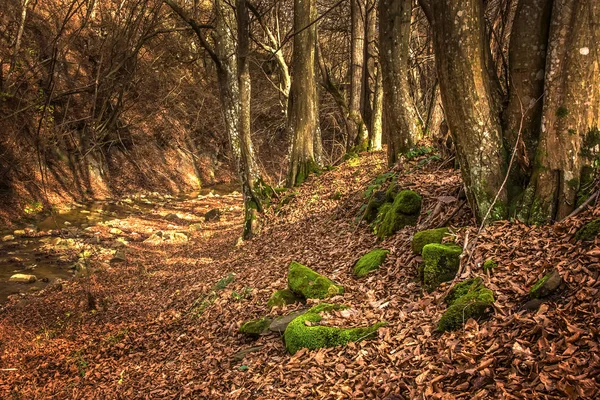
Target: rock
(420,239)
(402,212)
(307,283)
(196,227)
(119,256)
(533,304)
(467,299)
(441,264)
(279,324)
(115,231)
(239,356)
(155,238)
(213,215)
(120,242)
(378,199)
(167,236)
(303,331)
(19,232)
(546,286)
(171,217)
(370,262)
(589,231)
(23,278)
(178,237)
(8,238)
(256,327)
(283,297)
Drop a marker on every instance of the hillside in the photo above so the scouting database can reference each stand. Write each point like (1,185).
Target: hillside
(165,322)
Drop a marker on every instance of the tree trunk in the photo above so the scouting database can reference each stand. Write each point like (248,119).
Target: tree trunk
(303,110)
(357,133)
(234,88)
(400,128)
(375,132)
(527,62)
(469,102)
(571,111)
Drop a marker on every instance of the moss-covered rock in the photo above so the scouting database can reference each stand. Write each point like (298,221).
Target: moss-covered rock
(283,297)
(370,262)
(402,212)
(462,288)
(441,264)
(377,200)
(546,285)
(474,302)
(589,231)
(303,332)
(307,283)
(254,328)
(420,239)
(489,264)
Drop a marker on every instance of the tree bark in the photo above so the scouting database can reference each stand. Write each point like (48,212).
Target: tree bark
(468,95)
(571,111)
(304,117)
(400,128)
(375,132)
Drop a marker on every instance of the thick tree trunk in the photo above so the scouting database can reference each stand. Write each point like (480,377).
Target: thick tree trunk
(571,111)
(527,63)
(370,55)
(304,116)
(358,132)
(469,101)
(400,128)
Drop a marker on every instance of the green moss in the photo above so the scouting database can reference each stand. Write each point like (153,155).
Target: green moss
(377,200)
(420,239)
(370,262)
(589,231)
(255,327)
(441,264)
(392,191)
(299,334)
(309,284)
(489,264)
(467,299)
(403,211)
(562,112)
(534,292)
(462,288)
(283,297)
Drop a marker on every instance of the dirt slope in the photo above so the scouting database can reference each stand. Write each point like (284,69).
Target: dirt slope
(165,323)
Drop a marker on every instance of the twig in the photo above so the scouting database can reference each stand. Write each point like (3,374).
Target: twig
(582,207)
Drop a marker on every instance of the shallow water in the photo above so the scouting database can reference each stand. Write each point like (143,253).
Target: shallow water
(37,255)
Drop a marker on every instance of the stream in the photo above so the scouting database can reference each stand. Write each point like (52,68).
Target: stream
(47,245)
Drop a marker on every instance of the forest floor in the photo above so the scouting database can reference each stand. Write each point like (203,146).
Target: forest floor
(164,322)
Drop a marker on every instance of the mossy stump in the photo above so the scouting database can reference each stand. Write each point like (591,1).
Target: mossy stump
(467,299)
(303,331)
(440,264)
(283,297)
(402,212)
(377,200)
(546,285)
(370,262)
(420,239)
(589,231)
(307,283)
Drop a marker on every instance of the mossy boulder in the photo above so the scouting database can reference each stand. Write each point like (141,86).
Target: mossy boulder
(307,283)
(489,264)
(303,331)
(370,262)
(375,202)
(440,264)
(283,297)
(546,285)
(254,328)
(402,212)
(420,239)
(589,231)
(467,299)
